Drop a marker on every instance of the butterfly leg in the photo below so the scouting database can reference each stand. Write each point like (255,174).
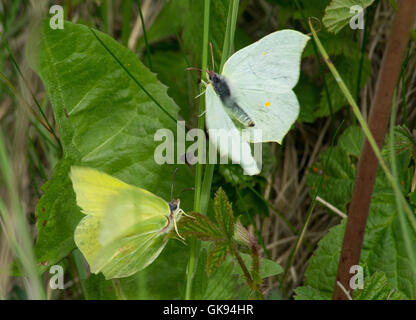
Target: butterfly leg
(187,215)
(200,115)
(176,229)
(200,94)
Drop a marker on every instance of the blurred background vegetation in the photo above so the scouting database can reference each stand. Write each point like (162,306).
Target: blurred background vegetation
(167,36)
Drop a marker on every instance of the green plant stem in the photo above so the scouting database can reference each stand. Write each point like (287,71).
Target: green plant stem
(230,31)
(145,34)
(371,154)
(195,244)
(299,239)
(203,190)
(402,217)
(126,20)
(365,128)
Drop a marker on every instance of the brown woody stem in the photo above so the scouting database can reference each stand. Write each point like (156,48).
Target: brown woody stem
(367,165)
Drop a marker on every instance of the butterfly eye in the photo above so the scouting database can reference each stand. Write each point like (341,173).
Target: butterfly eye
(173,205)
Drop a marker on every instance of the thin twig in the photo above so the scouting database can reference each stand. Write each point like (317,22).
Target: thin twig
(331,207)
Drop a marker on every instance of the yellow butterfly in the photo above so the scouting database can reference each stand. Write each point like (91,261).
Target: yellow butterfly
(125,228)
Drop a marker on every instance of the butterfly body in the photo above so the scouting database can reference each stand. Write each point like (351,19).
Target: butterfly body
(222,89)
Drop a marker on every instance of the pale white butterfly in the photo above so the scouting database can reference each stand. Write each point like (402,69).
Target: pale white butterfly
(252,100)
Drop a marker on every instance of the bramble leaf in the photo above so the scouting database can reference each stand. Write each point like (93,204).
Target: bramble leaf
(339,13)
(378,288)
(384,246)
(217,255)
(200,226)
(224,213)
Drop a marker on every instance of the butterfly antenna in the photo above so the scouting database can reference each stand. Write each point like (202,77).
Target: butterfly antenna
(184,190)
(193,68)
(212,56)
(173,182)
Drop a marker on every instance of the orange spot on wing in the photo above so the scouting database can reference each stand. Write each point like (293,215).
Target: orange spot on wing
(267,104)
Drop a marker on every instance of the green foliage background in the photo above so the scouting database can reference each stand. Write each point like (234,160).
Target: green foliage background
(105,102)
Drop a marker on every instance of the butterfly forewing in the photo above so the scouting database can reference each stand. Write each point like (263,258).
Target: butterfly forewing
(270,64)
(132,209)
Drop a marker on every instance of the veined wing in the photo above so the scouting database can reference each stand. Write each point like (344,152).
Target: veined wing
(273,113)
(132,212)
(125,227)
(120,257)
(95,190)
(225,137)
(271,64)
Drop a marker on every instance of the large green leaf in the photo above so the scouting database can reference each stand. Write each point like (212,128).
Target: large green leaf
(384,247)
(170,68)
(338,13)
(103,99)
(97,288)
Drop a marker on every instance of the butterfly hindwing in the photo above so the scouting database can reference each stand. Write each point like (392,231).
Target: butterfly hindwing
(128,255)
(224,135)
(273,113)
